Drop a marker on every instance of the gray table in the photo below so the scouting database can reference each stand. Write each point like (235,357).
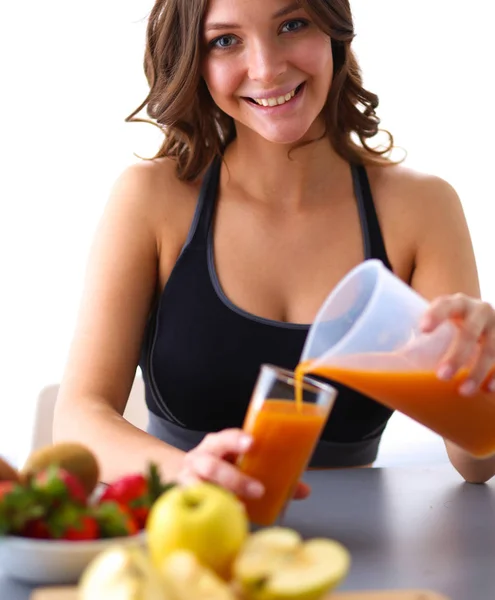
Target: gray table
(405,528)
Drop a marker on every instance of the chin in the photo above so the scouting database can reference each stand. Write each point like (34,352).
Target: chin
(285,137)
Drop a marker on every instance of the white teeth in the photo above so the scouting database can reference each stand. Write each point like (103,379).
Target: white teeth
(275,101)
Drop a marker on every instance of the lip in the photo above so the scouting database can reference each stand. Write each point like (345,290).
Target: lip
(273,93)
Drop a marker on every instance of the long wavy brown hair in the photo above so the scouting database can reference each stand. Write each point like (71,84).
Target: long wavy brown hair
(195,129)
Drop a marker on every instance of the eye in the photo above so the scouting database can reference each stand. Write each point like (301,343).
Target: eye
(294,25)
(224,41)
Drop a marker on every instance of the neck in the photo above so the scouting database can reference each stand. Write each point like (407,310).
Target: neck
(280,174)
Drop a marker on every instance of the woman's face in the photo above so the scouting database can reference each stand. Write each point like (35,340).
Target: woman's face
(267,65)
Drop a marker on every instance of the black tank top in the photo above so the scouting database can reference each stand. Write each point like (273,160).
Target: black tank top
(201,354)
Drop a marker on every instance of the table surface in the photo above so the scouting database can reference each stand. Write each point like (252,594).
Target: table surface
(405,528)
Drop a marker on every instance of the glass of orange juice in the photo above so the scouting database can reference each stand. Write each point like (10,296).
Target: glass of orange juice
(285,428)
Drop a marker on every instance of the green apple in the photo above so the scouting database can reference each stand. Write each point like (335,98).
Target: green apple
(203,518)
(120,573)
(276,564)
(188,579)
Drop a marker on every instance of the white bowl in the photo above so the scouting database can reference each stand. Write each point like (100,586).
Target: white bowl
(54,561)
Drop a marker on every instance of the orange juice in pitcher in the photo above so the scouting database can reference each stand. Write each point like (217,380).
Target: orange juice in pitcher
(367,336)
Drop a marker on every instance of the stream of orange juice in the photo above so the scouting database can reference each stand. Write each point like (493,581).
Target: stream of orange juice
(468,421)
(300,372)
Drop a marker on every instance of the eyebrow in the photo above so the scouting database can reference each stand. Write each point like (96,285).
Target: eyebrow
(280,13)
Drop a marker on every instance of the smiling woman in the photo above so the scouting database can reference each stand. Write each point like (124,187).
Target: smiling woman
(263,62)
(214,257)
(202,76)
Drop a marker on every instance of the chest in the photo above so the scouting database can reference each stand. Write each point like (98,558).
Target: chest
(281,264)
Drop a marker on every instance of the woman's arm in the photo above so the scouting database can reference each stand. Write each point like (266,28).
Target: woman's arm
(121,282)
(445,265)
(137,244)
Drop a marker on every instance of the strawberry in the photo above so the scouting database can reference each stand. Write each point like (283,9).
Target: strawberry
(6,488)
(66,522)
(126,490)
(132,492)
(18,506)
(86,529)
(37,529)
(114,519)
(137,492)
(52,504)
(140,514)
(55,485)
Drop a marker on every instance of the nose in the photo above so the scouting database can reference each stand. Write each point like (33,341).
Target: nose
(266,62)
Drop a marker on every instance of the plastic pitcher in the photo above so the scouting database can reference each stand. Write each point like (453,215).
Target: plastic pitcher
(367,336)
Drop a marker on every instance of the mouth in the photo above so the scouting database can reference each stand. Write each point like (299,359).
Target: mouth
(276,101)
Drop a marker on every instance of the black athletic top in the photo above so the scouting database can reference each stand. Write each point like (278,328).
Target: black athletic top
(201,354)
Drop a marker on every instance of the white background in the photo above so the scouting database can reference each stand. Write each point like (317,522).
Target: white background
(71,72)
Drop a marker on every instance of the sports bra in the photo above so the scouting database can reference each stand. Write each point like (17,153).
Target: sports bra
(201,354)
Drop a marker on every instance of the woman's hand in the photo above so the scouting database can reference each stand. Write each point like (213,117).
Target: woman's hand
(213,460)
(475,338)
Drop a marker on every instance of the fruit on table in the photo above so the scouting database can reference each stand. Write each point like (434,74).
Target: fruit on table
(122,574)
(18,507)
(77,523)
(70,522)
(6,488)
(36,529)
(114,520)
(272,564)
(202,518)
(276,564)
(137,492)
(51,503)
(85,528)
(7,472)
(188,579)
(74,458)
(128,574)
(56,485)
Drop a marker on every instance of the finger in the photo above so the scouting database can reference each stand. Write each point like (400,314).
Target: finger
(303,490)
(216,470)
(187,477)
(443,308)
(466,340)
(482,372)
(228,442)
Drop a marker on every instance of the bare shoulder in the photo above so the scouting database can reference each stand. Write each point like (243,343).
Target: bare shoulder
(151,194)
(421,194)
(153,186)
(427,216)
(414,208)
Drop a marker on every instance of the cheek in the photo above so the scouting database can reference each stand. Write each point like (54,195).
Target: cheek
(222,77)
(315,57)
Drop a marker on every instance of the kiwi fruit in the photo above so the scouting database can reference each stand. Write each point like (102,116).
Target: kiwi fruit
(7,472)
(74,458)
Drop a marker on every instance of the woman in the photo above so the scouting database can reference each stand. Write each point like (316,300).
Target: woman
(215,256)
